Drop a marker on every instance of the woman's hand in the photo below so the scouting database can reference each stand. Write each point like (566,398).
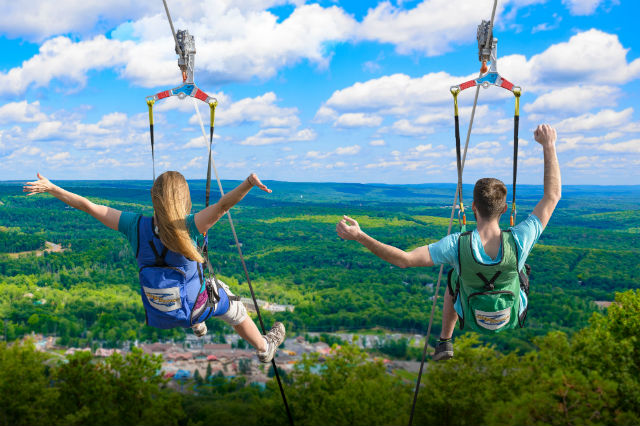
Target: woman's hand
(348,229)
(255,181)
(36,187)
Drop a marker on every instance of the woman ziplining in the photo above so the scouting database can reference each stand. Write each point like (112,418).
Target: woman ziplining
(178,286)
(185,48)
(173,289)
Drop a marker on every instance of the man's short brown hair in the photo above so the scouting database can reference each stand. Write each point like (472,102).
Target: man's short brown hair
(490,196)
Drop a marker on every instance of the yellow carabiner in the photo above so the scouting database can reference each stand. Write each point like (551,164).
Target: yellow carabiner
(150,103)
(517,92)
(212,110)
(455,91)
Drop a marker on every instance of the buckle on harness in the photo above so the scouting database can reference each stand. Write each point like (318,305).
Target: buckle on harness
(212,290)
(489,284)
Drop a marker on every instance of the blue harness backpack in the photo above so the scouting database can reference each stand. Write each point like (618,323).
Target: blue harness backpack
(173,289)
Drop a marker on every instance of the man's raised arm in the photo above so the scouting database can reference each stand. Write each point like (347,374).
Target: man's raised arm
(546,136)
(348,229)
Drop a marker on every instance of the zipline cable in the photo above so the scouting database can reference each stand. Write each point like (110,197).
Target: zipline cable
(460,164)
(212,164)
(173,31)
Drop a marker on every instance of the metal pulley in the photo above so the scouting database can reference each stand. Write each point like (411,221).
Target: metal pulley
(186,50)
(484,49)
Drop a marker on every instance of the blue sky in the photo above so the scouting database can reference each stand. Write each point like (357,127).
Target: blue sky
(348,91)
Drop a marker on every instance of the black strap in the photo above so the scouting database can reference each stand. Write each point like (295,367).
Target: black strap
(516,124)
(160,257)
(153,157)
(489,284)
(458,158)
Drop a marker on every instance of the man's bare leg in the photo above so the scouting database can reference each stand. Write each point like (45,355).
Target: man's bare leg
(449,317)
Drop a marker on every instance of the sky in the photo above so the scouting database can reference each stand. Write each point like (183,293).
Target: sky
(318,91)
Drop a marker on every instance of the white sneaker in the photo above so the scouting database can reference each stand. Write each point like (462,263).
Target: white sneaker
(274,338)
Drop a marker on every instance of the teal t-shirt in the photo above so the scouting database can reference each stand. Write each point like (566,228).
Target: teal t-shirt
(128,225)
(525,234)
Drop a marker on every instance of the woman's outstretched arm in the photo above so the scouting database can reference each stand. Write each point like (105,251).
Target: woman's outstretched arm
(108,216)
(206,218)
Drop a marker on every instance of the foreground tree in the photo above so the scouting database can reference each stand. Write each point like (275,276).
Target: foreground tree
(345,389)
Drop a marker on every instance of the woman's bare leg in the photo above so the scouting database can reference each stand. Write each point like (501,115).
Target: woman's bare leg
(248,331)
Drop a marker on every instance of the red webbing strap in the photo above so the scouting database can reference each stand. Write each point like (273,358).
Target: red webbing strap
(467,84)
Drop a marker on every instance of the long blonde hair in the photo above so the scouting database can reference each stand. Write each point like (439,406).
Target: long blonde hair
(172,203)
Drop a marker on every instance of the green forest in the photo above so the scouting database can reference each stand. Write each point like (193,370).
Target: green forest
(589,378)
(572,363)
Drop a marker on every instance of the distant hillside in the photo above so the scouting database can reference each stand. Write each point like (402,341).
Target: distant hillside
(589,250)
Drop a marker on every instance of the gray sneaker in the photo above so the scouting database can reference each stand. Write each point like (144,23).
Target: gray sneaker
(444,351)
(274,338)
(199,329)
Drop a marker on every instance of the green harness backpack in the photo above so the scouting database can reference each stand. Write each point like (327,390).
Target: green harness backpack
(489,294)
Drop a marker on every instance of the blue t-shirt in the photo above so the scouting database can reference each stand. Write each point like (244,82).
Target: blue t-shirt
(128,225)
(525,234)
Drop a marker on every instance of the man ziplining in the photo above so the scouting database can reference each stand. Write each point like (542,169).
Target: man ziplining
(488,284)
(497,255)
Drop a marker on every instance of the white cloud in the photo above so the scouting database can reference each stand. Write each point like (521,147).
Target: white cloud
(200,142)
(45,18)
(279,135)
(582,7)
(575,99)
(348,150)
(358,119)
(325,114)
(422,157)
(341,150)
(405,128)
(583,142)
(591,56)
(435,117)
(393,94)
(21,112)
(532,161)
(604,119)
(46,130)
(279,124)
(25,151)
(431,28)
(377,142)
(62,59)
(484,148)
(498,126)
(304,135)
(632,146)
(483,162)
(582,162)
(244,44)
(260,109)
(195,162)
(61,156)
(235,165)
(546,26)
